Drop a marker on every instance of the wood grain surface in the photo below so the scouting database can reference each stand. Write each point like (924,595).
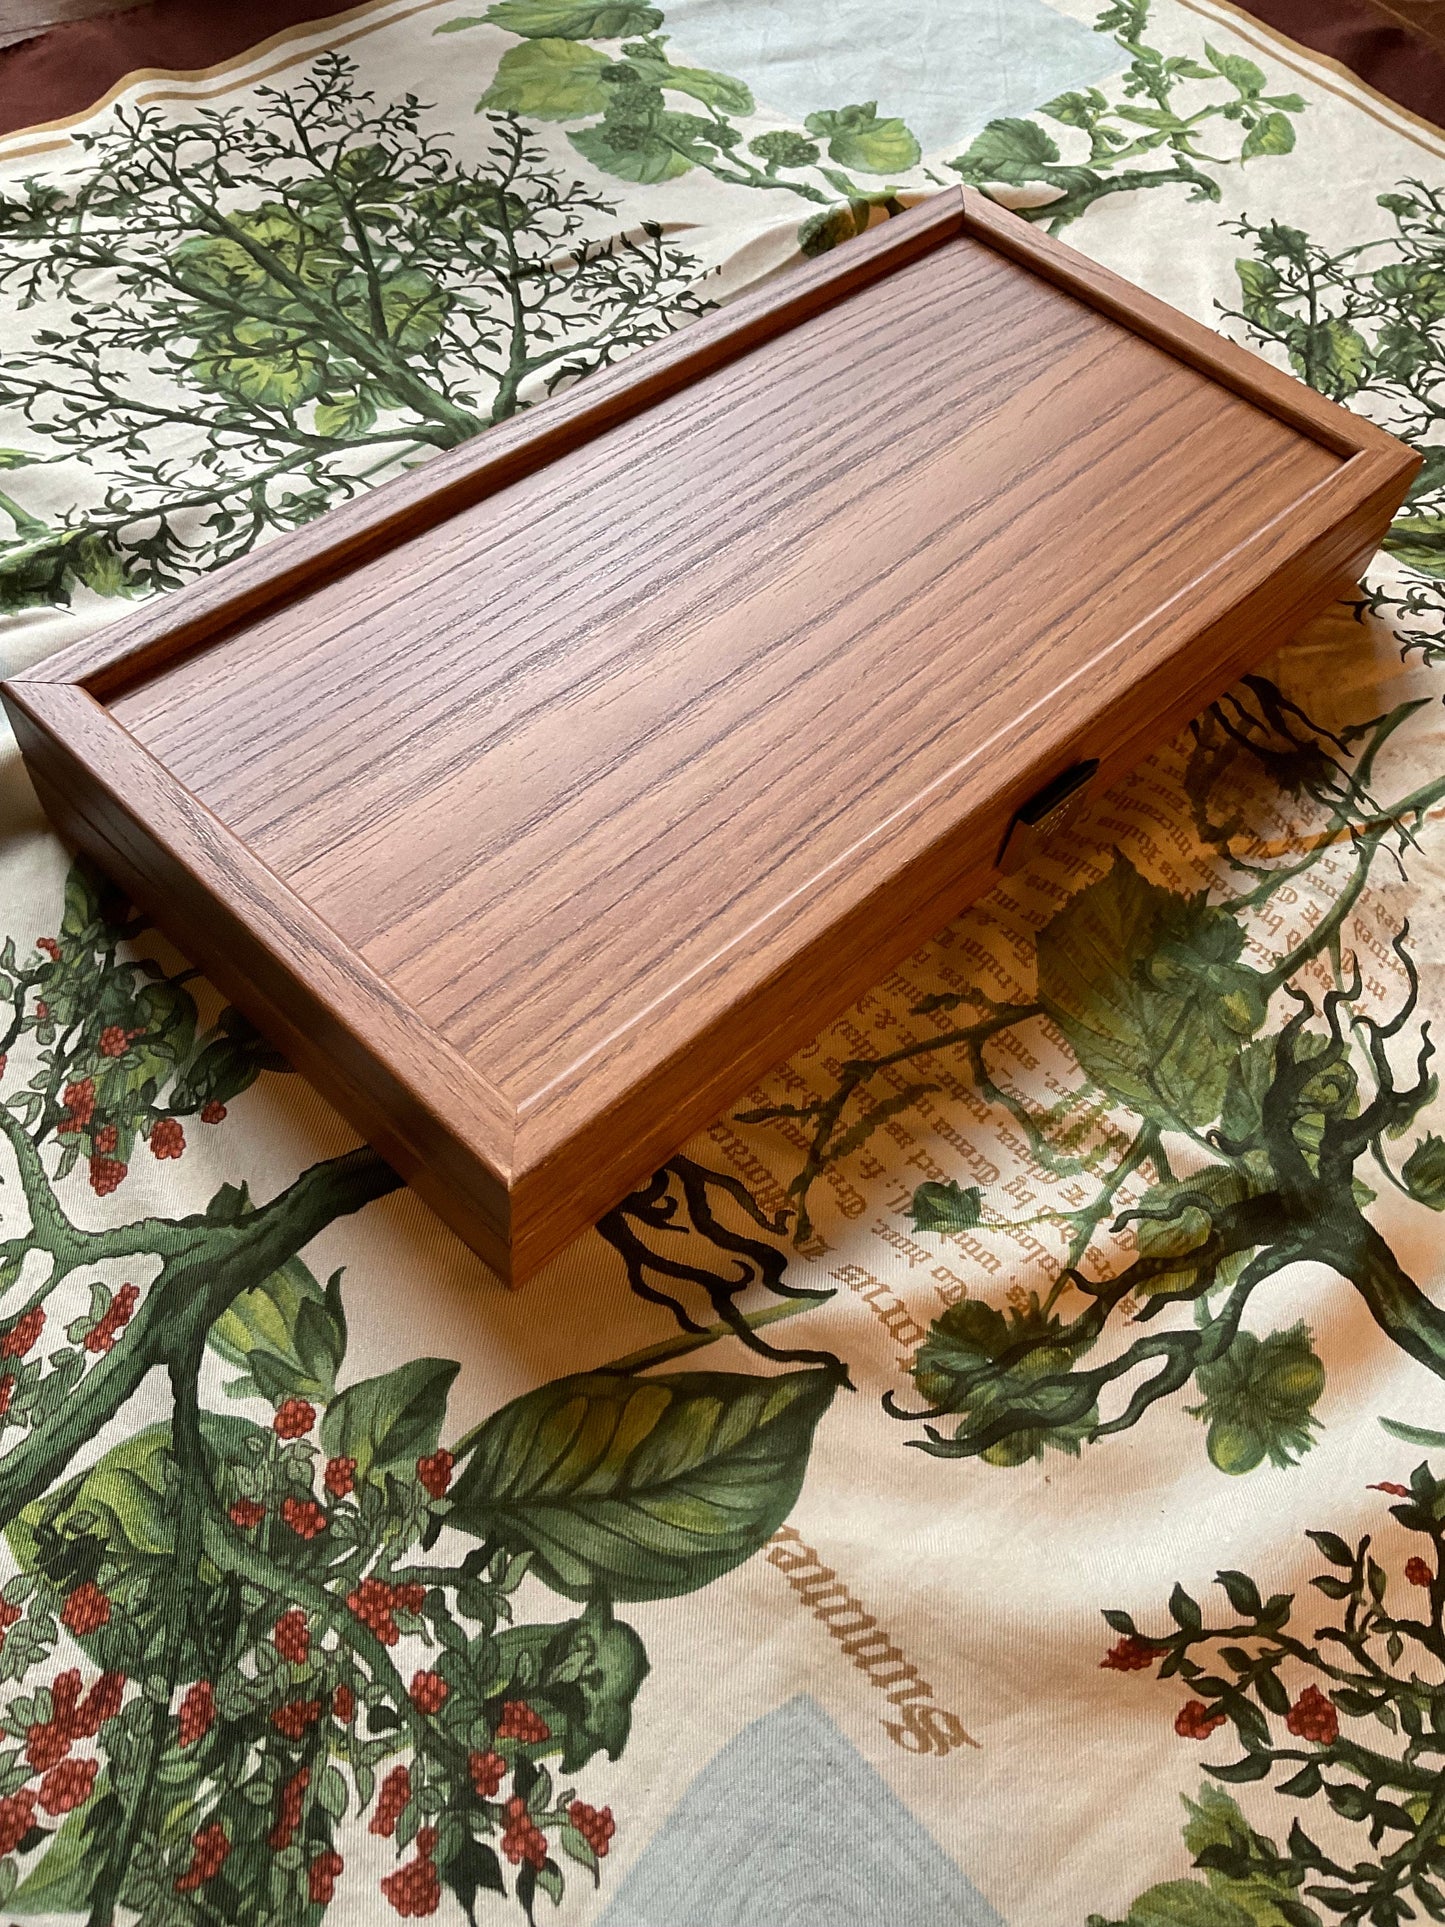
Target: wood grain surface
(611,765)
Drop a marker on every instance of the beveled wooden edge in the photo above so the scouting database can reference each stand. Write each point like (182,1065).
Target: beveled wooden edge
(406,505)
(252,934)
(1228,362)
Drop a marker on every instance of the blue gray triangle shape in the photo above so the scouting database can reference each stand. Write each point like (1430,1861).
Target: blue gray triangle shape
(789,1826)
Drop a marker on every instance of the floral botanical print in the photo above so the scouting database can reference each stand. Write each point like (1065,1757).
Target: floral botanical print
(1091,1264)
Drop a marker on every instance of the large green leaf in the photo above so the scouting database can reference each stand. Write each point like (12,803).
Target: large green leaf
(1147,986)
(717,90)
(1242,74)
(1420,541)
(856,137)
(637,151)
(287,1335)
(387,1423)
(565,19)
(548,80)
(1008,150)
(642,1488)
(1186,1903)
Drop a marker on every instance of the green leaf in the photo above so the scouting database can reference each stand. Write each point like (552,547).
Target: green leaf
(1424,1172)
(717,90)
(1186,1903)
(946,1206)
(641,1488)
(548,80)
(1333,1546)
(1008,150)
(1242,1593)
(1147,987)
(1418,540)
(387,1423)
(569,19)
(264,1333)
(18,458)
(856,137)
(1242,74)
(1412,1435)
(346,417)
(1273,134)
(1185,1611)
(639,152)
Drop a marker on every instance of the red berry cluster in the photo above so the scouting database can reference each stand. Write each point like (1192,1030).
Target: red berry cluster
(321,1876)
(488,1771)
(595,1824)
(168,1140)
(1129,1655)
(414,1889)
(86,1610)
(79,1101)
(294,1418)
(115,1040)
(435,1473)
(106,1138)
(374,1602)
(197,1712)
(392,1801)
(343,1704)
(428,1692)
(1196,1722)
(339,1477)
(292,1636)
(106,1175)
(1418,1573)
(1313,1717)
(8,1613)
(17,1817)
(7,1392)
(23,1333)
(68,1785)
(522,1838)
(212,1846)
(292,1719)
(520,1722)
(213,1112)
(71,1718)
(304,1517)
(50,947)
(245,1513)
(288,1810)
(117,1315)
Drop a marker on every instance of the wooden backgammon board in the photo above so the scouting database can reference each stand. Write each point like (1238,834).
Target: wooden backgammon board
(537,802)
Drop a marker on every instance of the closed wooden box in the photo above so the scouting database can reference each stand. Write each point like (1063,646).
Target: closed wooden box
(538,802)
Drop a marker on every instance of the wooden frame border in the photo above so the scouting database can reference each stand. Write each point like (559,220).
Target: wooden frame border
(466,1148)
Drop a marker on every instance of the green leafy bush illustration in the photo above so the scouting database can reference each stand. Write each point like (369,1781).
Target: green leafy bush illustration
(250,315)
(204,1626)
(1367,325)
(1249,1102)
(1161,114)
(1347,1713)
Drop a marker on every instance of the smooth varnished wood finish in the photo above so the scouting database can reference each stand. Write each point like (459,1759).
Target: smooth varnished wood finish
(538,802)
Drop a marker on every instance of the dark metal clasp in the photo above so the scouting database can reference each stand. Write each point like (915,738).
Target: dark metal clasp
(1049,809)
